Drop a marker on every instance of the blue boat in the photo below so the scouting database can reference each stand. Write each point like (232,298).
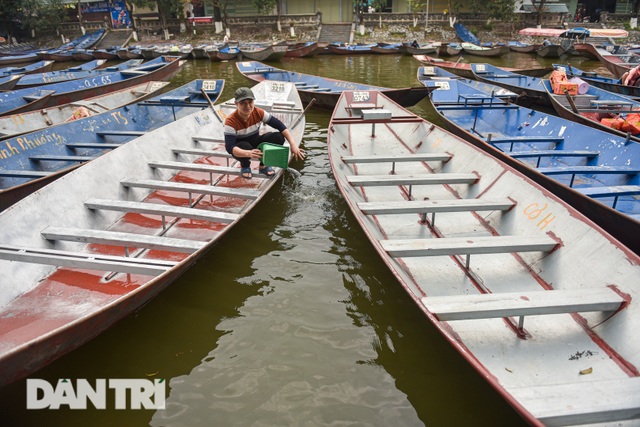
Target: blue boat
(531,89)
(35,67)
(65,92)
(324,90)
(599,109)
(84,42)
(18,59)
(595,171)
(29,161)
(465,34)
(9,82)
(84,71)
(441,76)
(609,84)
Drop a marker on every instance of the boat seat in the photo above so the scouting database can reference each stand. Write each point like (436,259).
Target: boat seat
(421,157)
(588,170)
(323,89)
(134,72)
(91,261)
(308,87)
(99,146)
(200,152)
(198,167)
(175,99)
(458,106)
(582,402)
(553,153)
(57,158)
(120,133)
(614,191)
(424,179)
(467,246)
(203,138)
(115,238)
(610,102)
(162,210)
(520,304)
(23,173)
(212,190)
(424,207)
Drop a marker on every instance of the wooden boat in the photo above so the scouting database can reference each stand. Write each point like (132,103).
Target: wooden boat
(82,55)
(325,91)
(303,50)
(424,49)
(465,34)
(121,237)
(18,59)
(516,46)
(129,53)
(35,67)
(50,95)
(551,51)
(72,73)
(269,53)
(9,82)
(531,89)
(40,157)
(31,121)
(539,300)
(463,69)
(596,107)
(84,42)
(224,54)
(200,51)
(606,83)
(437,74)
(590,169)
(616,63)
(386,48)
(350,49)
(108,54)
(477,50)
(448,49)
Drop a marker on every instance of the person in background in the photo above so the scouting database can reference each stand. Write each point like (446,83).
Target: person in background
(546,42)
(242,133)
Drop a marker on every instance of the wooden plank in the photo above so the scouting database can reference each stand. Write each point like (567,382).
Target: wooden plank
(90,261)
(120,132)
(553,153)
(129,240)
(193,188)
(510,304)
(405,158)
(427,179)
(23,173)
(525,139)
(467,245)
(561,170)
(611,191)
(97,145)
(582,402)
(429,206)
(201,152)
(164,210)
(57,158)
(204,138)
(198,167)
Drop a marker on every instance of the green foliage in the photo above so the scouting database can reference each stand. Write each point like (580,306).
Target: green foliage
(379,5)
(416,6)
(500,9)
(31,15)
(265,7)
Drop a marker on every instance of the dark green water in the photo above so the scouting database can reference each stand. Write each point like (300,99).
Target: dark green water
(291,319)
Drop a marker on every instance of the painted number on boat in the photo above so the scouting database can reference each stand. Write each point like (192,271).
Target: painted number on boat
(209,85)
(480,68)
(277,87)
(360,96)
(97,81)
(442,85)
(536,212)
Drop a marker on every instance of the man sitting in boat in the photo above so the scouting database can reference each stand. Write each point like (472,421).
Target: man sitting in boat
(242,133)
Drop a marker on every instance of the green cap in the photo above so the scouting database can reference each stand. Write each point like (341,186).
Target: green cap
(244,93)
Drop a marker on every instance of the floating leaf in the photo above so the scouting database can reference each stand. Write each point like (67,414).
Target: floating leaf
(508,370)
(153,374)
(586,371)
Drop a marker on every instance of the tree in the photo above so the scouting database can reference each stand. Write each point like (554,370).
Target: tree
(540,7)
(265,7)
(416,6)
(31,15)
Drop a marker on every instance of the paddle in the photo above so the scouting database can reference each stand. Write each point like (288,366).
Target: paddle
(204,92)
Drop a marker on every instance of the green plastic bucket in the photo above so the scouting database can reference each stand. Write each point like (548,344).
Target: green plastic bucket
(274,155)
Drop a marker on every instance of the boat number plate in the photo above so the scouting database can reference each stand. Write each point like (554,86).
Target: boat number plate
(429,70)
(277,87)
(442,85)
(480,67)
(209,85)
(360,96)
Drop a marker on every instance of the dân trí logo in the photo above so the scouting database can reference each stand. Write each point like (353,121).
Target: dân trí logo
(127,393)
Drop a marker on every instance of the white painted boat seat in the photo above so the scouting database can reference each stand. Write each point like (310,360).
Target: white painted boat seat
(610,102)
(515,304)
(204,138)
(582,402)
(467,246)
(420,157)
(200,152)
(425,179)
(99,146)
(23,173)
(57,158)
(120,133)
(192,188)
(134,72)
(91,261)
(197,167)
(115,238)
(175,99)
(430,206)
(162,210)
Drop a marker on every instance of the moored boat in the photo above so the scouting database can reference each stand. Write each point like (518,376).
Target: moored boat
(35,67)
(29,99)
(417,49)
(465,34)
(616,62)
(71,73)
(520,47)
(269,53)
(325,91)
(386,48)
(551,51)
(303,50)
(121,237)
(477,50)
(350,49)
(539,300)
(607,83)
(448,49)
(226,53)
(592,170)
(531,89)
(9,82)
(463,69)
